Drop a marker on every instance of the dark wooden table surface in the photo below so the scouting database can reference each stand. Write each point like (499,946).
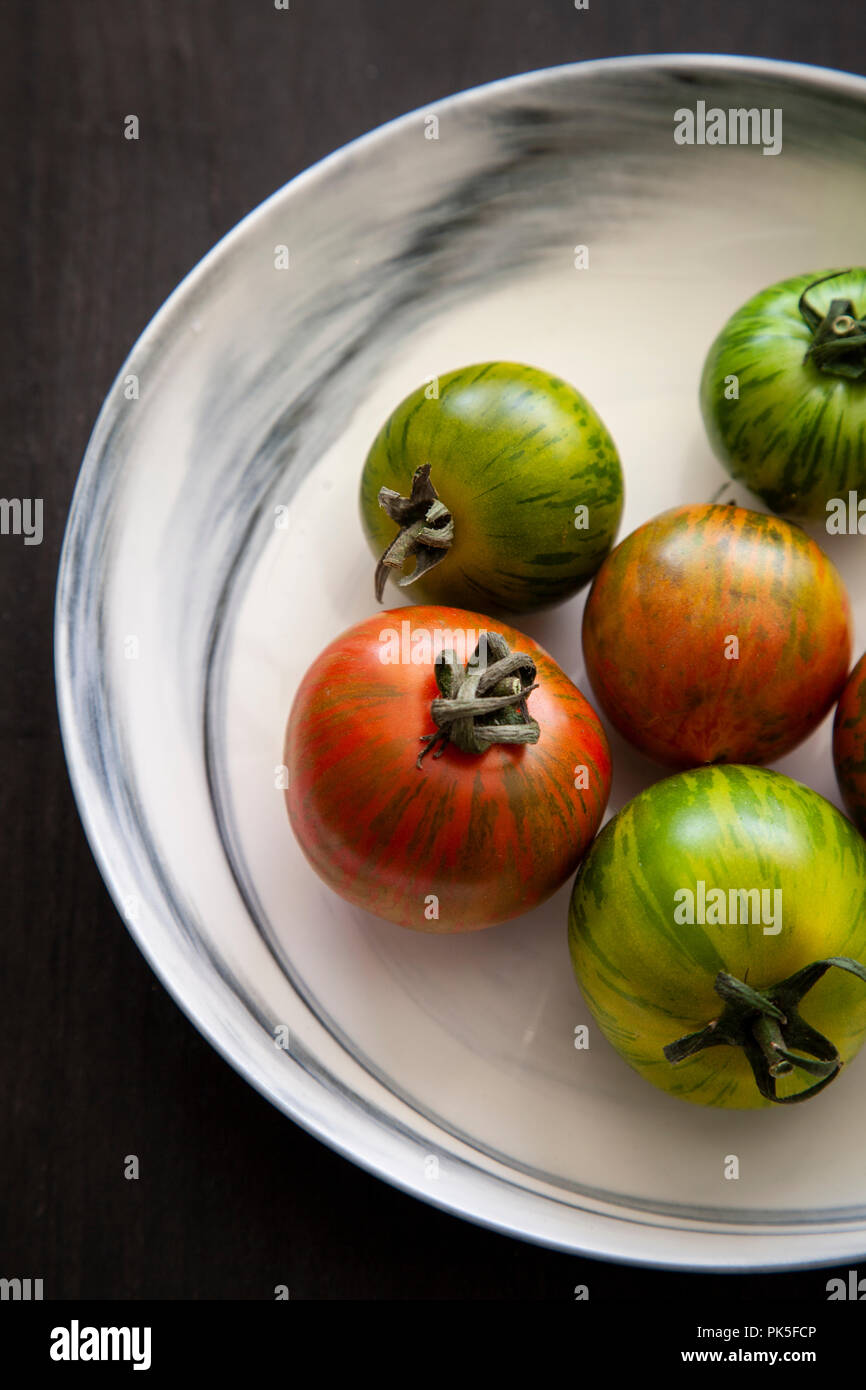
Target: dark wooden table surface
(234,97)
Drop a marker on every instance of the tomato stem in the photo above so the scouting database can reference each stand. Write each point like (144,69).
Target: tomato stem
(493,692)
(426,530)
(767,1025)
(838,337)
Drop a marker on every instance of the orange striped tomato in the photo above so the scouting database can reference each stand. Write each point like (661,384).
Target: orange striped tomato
(717,634)
(465,839)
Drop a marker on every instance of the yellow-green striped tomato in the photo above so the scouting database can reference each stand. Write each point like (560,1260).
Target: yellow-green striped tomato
(496,487)
(702,921)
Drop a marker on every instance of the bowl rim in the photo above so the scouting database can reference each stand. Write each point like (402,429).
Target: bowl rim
(616,1234)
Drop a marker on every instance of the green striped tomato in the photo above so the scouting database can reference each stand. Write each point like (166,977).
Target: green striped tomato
(525,468)
(783,392)
(466,839)
(649,974)
(849,745)
(716,634)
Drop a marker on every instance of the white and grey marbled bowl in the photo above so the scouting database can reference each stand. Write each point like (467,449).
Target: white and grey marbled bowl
(186,617)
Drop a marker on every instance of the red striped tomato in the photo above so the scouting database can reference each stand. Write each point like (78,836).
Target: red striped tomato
(464,839)
(717,634)
(849,745)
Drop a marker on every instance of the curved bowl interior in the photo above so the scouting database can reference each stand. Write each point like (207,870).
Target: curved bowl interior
(214,548)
